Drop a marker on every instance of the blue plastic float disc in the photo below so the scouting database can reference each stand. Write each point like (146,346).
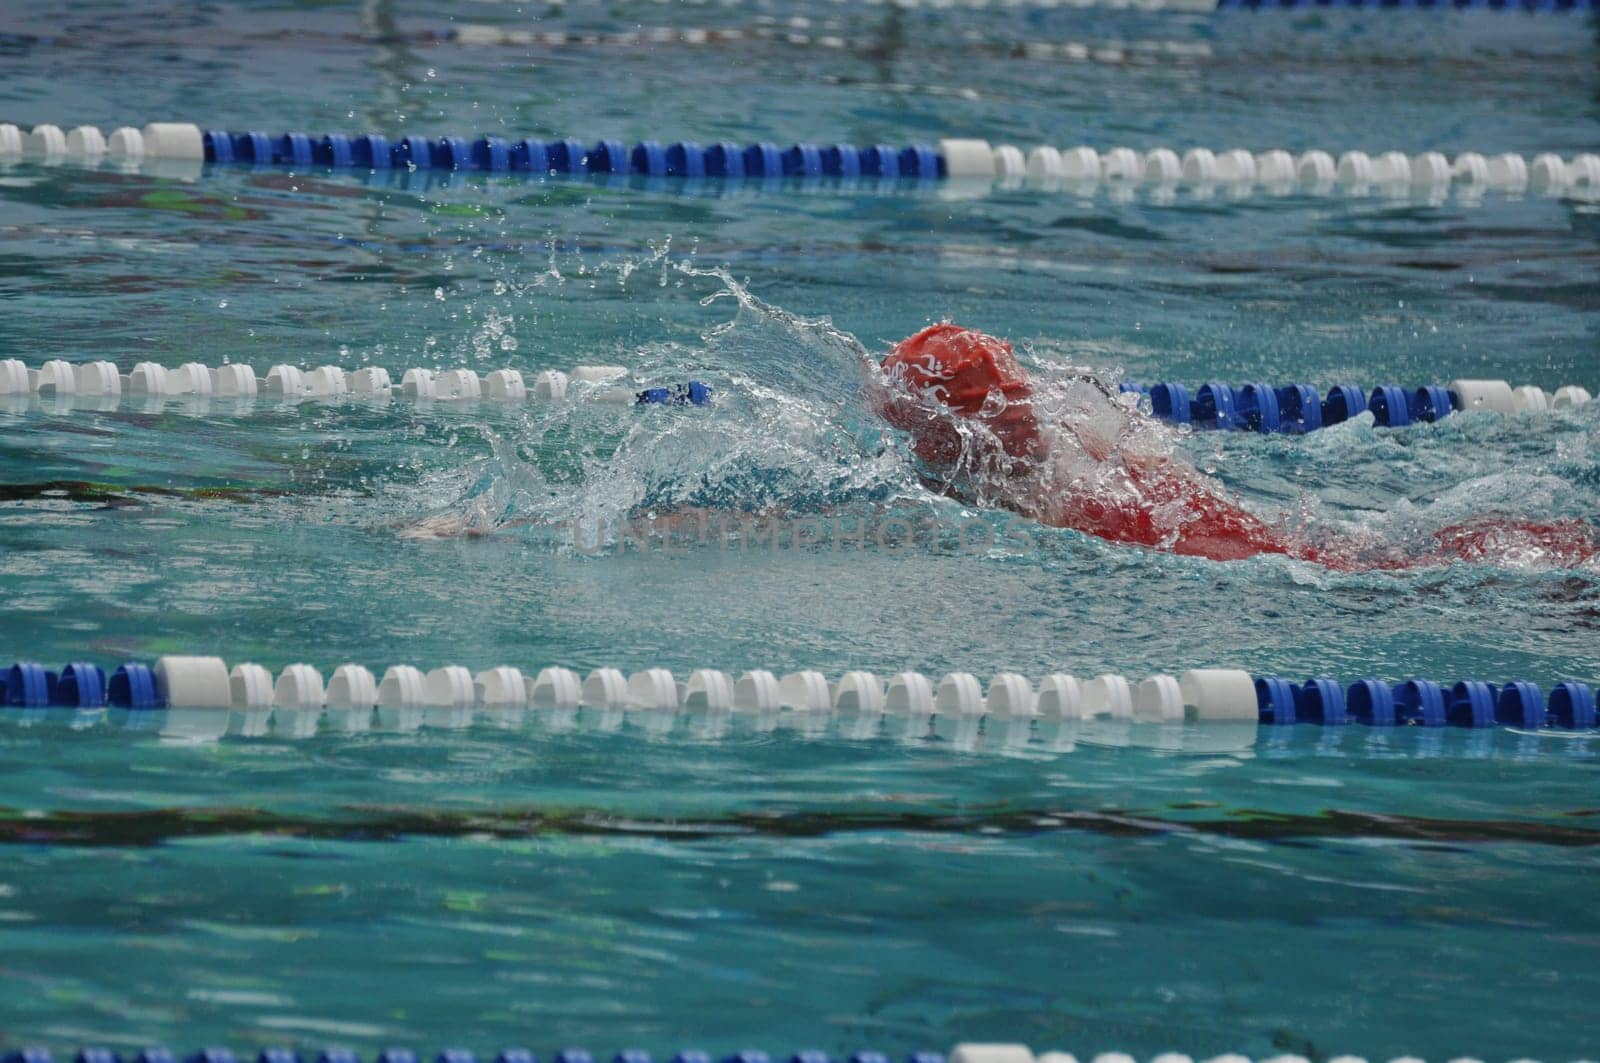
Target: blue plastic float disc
(455,1055)
(1471,704)
(1299,408)
(685,158)
(27,1055)
(413,151)
(1257,406)
(632,1055)
(573,1055)
(919,161)
(491,153)
(566,156)
(1274,700)
(154,1055)
(218,145)
(277,1055)
(515,1055)
(292,149)
(372,152)
(1520,704)
(530,156)
(841,160)
(1343,402)
(1371,701)
(649,159)
(397,1055)
(252,147)
(96,1055)
(1430,403)
(763,160)
(1214,406)
(1170,402)
(213,1055)
(802,160)
(880,160)
(1420,701)
(133,686)
(1389,406)
(82,686)
(724,159)
(608,156)
(1321,701)
(334,150)
(452,153)
(1572,706)
(29,685)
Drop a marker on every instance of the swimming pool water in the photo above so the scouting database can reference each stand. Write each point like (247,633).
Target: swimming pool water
(529,881)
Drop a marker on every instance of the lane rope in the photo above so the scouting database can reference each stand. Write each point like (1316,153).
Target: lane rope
(801,32)
(963,1053)
(971,162)
(1201,696)
(99,386)
(1257,407)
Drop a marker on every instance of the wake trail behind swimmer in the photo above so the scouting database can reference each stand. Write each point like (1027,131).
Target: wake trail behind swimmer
(1079,458)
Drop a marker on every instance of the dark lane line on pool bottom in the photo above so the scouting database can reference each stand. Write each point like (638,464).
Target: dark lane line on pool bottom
(75,828)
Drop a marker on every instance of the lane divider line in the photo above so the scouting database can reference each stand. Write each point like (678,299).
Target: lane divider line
(98,385)
(1201,696)
(974,162)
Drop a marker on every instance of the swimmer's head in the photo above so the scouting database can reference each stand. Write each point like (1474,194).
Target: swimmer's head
(975,376)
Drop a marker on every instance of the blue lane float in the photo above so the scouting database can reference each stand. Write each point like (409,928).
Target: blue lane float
(693,393)
(1469,703)
(1300,408)
(648,158)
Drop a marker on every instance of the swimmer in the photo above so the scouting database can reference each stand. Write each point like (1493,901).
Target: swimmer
(1084,460)
(1076,455)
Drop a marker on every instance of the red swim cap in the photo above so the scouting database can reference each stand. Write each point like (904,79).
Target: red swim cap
(959,367)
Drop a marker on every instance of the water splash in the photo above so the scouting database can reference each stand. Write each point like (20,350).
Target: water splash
(796,429)
(789,432)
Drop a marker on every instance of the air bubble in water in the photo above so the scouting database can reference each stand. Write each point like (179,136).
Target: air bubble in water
(508,343)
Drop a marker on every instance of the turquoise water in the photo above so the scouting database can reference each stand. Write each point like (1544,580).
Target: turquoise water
(614,883)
